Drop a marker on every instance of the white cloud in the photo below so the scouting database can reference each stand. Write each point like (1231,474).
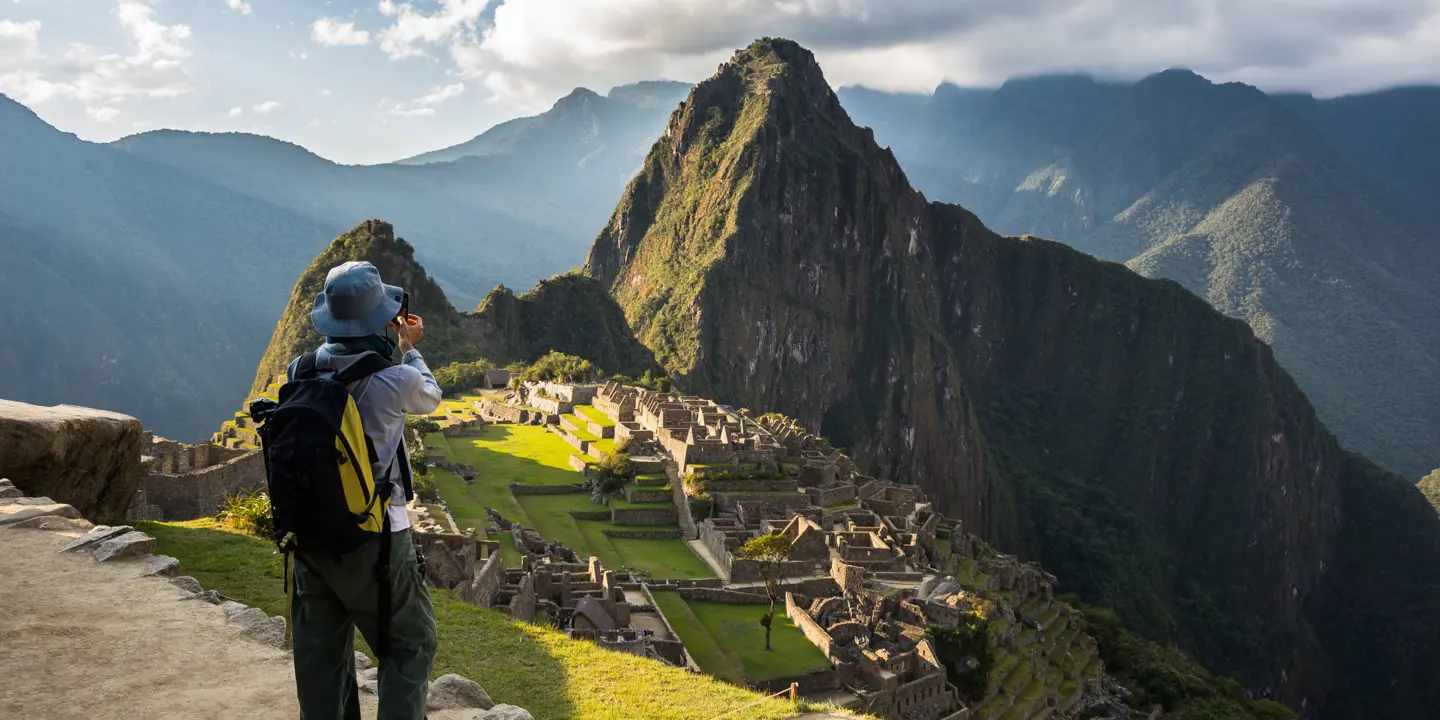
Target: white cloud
(333,33)
(326,93)
(424,106)
(102,114)
(302,55)
(154,66)
(239,6)
(535,50)
(265,108)
(411,29)
(314,122)
(235,112)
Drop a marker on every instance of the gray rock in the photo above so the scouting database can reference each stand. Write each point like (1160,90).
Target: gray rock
(256,625)
(188,584)
(53,524)
(131,544)
(369,680)
(206,596)
(101,533)
(10,492)
(34,510)
(5,483)
(82,457)
(453,692)
(362,661)
(163,566)
(32,501)
(232,608)
(506,712)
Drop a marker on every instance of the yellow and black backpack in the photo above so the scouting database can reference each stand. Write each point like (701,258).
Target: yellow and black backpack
(318,462)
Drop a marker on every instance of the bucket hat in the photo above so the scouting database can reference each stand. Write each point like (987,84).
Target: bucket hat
(354,303)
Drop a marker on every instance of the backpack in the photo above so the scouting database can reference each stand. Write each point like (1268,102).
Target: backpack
(318,467)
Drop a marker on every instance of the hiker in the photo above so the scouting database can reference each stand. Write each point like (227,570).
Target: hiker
(367,323)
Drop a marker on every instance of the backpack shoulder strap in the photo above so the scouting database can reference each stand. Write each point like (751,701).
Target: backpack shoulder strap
(367,365)
(305,369)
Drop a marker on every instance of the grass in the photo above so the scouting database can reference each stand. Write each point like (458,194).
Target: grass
(509,554)
(534,667)
(593,415)
(728,641)
(579,425)
(530,455)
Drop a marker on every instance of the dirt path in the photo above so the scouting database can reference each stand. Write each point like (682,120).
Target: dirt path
(82,640)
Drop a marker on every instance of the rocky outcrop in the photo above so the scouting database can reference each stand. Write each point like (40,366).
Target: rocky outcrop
(453,692)
(1146,449)
(89,459)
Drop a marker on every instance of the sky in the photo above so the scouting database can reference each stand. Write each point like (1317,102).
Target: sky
(368,81)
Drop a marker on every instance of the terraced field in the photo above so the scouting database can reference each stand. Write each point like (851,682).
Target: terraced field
(727,641)
(529,456)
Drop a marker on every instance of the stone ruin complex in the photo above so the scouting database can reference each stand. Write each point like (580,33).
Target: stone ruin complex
(876,576)
(185,482)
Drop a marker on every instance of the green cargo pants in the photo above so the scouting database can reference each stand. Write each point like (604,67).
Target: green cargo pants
(334,596)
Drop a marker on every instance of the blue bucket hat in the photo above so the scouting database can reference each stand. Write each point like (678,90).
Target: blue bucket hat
(355,303)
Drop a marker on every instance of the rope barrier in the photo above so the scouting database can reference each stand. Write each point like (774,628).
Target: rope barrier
(792,690)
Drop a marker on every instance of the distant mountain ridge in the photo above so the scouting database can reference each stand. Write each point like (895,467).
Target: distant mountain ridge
(159,263)
(1146,449)
(1288,212)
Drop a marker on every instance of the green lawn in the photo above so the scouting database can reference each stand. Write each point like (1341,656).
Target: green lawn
(728,641)
(593,415)
(530,455)
(534,667)
(509,554)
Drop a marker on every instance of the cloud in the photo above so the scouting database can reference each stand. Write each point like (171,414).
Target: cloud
(527,52)
(326,93)
(424,105)
(154,66)
(265,108)
(239,6)
(334,33)
(235,112)
(411,29)
(102,114)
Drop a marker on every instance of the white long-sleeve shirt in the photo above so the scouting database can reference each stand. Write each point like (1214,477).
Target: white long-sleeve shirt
(383,400)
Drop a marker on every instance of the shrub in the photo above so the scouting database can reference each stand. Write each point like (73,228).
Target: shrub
(459,377)
(249,513)
(559,367)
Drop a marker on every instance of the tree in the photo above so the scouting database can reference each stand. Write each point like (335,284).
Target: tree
(771,552)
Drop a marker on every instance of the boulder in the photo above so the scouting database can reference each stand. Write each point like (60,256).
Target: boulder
(188,584)
(161,565)
(28,512)
(54,523)
(98,534)
(369,680)
(505,712)
(256,625)
(230,608)
(362,661)
(205,596)
(453,692)
(89,459)
(131,544)
(31,501)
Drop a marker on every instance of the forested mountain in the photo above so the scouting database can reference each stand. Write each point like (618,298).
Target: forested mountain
(1300,216)
(148,273)
(1145,448)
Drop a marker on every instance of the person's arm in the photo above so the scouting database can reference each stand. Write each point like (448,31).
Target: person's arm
(420,394)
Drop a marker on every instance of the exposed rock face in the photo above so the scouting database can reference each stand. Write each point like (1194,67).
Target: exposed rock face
(129,545)
(1146,449)
(86,458)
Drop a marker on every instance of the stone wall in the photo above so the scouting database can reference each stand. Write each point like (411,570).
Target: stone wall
(546,489)
(813,632)
(743,570)
(88,459)
(551,405)
(833,495)
(719,595)
(655,516)
(197,493)
(665,534)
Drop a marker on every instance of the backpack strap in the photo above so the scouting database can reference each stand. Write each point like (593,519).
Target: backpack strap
(305,368)
(368,364)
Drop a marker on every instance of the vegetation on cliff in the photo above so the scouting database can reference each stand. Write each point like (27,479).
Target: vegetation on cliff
(1430,487)
(569,314)
(1146,449)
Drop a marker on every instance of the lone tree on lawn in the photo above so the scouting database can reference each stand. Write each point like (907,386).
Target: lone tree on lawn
(771,551)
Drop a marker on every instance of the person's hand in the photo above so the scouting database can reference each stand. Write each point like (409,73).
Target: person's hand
(410,332)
